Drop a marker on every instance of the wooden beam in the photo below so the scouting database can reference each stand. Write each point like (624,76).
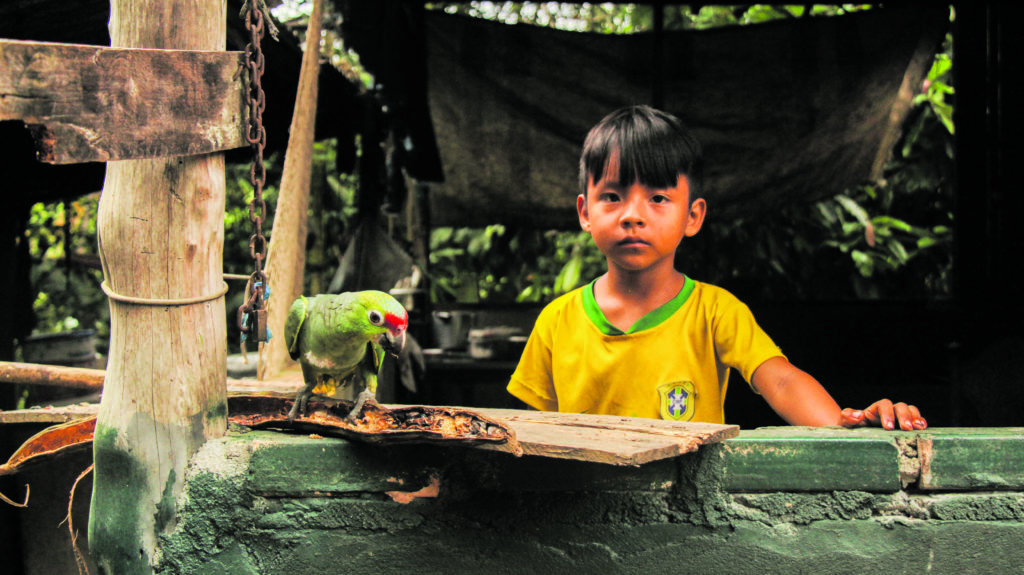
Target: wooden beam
(99,104)
(286,258)
(286,384)
(52,375)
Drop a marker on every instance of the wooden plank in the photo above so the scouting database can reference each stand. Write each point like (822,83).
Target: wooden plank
(616,447)
(98,104)
(606,438)
(50,415)
(711,431)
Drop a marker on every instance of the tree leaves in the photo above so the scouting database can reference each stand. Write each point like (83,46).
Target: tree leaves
(569,277)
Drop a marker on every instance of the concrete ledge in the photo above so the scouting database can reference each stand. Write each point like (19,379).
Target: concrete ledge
(291,465)
(778,459)
(773,500)
(972,459)
(808,459)
(826,459)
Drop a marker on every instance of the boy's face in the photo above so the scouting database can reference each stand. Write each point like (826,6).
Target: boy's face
(634,226)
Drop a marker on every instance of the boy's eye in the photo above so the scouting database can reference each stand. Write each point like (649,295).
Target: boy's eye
(659,199)
(608,197)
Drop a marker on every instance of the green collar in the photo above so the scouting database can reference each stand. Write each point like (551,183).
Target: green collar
(652,319)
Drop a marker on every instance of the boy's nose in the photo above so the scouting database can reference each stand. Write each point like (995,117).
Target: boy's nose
(632,214)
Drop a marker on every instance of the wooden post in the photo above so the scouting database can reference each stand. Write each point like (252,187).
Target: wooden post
(161,232)
(286,259)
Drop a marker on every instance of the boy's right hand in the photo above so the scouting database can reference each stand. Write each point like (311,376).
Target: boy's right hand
(883,413)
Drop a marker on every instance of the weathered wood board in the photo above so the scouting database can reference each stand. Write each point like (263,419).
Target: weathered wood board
(52,415)
(606,438)
(98,104)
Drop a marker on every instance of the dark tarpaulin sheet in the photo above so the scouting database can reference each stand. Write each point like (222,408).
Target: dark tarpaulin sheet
(787,111)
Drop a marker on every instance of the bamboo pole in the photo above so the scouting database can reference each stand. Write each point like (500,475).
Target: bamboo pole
(161,233)
(286,258)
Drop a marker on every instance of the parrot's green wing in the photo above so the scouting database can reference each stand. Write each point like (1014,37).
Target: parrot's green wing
(293,325)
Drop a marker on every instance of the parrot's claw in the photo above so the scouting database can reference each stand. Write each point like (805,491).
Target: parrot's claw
(299,407)
(357,409)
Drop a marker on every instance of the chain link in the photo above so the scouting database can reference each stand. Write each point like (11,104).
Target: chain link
(255,14)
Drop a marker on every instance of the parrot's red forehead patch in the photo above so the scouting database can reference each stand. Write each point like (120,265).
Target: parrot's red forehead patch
(397,320)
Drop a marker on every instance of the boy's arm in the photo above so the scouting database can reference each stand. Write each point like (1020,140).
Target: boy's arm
(801,400)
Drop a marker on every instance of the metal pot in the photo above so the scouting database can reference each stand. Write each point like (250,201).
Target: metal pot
(451,329)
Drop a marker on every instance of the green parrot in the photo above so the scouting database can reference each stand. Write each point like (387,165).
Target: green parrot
(340,340)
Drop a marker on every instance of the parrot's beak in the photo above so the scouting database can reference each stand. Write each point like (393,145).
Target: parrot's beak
(393,342)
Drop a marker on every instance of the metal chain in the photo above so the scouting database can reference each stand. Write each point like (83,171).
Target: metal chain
(256,17)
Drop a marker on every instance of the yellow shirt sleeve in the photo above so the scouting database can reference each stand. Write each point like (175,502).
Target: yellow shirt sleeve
(533,381)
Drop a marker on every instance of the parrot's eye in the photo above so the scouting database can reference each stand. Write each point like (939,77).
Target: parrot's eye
(375,317)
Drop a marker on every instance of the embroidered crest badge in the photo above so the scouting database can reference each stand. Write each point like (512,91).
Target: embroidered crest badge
(677,400)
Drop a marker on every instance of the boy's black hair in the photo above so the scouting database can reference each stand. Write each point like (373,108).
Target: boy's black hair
(655,148)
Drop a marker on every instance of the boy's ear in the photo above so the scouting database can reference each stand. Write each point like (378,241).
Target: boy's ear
(581,210)
(695,217)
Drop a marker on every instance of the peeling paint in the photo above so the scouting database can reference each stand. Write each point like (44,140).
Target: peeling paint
(924,458)
(910,462)
(429,491)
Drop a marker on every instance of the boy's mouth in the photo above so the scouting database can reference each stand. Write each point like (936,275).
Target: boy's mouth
(631,243)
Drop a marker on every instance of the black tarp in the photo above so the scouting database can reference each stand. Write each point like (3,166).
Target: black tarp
(787,111)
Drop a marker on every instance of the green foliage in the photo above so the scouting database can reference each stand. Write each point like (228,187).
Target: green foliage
(889,240)
(496,265)
(68,295)
(561,262)
(937,87)
(466,263)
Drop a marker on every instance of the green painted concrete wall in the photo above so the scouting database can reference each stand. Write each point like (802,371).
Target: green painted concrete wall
(774,500)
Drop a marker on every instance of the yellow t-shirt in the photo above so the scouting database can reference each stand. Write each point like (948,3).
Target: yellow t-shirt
(673,364)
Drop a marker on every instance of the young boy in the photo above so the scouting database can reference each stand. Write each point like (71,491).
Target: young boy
(644,340)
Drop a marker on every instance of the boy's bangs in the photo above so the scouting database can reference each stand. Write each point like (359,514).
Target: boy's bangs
(639,161)
(645,161)
(651,159)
